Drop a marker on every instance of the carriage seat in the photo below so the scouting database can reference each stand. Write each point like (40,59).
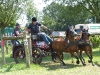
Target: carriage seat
(36,37)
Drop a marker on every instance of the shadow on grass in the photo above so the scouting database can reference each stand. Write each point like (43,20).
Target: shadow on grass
(53,66)
(50,65)
(11,67)
(96,63)
(47,63)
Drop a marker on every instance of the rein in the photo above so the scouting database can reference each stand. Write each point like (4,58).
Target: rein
(69,44)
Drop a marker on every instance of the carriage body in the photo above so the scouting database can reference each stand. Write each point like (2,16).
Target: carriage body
(39,43)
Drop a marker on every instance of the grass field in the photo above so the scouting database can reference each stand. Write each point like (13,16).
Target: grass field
(47,67)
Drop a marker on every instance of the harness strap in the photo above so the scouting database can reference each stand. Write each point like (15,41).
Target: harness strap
(85,43)
(69,44)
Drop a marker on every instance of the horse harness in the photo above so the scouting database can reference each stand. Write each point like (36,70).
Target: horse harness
(70,43)
(84,43)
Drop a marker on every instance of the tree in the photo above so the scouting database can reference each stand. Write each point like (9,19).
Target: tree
(30,10)
(92,6)
(9,12)
(60,15)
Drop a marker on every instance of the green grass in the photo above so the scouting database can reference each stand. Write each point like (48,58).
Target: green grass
(47,67)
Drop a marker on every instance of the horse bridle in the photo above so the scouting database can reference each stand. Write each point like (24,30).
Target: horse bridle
(87,41)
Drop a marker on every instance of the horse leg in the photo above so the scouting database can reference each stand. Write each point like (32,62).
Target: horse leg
(60,58)
(90,57)
(73,55)
(82,56)
(72,60)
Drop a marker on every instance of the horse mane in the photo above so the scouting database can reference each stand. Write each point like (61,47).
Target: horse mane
(67,32)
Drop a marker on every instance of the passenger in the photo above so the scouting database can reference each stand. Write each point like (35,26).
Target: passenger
(16,32)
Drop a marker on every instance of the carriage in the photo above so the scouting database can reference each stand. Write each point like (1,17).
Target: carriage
(39,49)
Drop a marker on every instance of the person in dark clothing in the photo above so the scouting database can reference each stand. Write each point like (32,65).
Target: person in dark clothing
(34,28)
(16,32)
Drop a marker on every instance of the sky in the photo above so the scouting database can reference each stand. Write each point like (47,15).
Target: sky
(39,4)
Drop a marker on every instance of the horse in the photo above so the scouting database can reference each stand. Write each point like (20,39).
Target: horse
(68,45)
(84,44)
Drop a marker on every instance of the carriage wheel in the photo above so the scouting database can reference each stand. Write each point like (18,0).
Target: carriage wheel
(37,55)
(19,55)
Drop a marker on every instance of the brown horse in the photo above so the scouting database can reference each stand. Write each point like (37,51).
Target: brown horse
(67,45)
(85,45)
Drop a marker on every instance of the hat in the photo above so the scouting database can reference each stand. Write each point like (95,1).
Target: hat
(17,24)
(34,19)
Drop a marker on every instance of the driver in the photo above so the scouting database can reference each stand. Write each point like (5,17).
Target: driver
(34,28)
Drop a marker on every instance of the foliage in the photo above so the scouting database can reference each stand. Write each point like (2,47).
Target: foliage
(30,10)
(58,16)
(9,12)
(92,6)
(95,41)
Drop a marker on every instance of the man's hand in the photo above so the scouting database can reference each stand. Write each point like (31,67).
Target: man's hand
(49,31)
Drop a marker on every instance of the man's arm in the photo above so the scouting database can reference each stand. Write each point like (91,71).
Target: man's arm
(44,27)
(18,34)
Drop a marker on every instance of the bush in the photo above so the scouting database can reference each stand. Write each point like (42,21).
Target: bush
(95,40)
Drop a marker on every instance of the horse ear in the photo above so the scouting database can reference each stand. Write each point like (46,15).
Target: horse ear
(72,27)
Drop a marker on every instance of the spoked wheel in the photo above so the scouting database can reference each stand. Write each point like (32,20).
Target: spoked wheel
(19,55)
(37,55)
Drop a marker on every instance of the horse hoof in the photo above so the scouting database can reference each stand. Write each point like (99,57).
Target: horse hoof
(93,65)
(72,61)
(84,64)
(78,62)
(54,60)
(64,64)
(89,61)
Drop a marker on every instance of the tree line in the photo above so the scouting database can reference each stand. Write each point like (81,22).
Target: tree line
(57,15)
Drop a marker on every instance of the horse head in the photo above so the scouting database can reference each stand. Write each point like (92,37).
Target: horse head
(85,35)
(70,32)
